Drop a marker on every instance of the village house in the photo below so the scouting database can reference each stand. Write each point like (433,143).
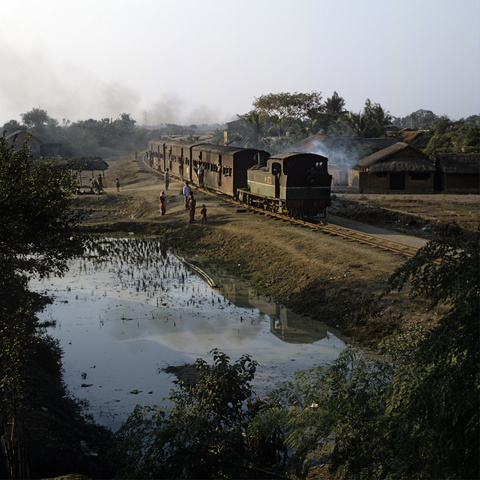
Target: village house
(458,172)
(237,127)
(91,167)
(342,152)
(17,139)
(397,168)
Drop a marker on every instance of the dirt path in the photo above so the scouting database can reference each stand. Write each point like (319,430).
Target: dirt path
(324,277)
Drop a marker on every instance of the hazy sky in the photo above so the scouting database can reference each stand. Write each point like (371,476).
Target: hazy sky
(196,61)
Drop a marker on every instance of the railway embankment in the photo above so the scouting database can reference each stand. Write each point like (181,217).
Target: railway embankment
(327,278)
(338,282)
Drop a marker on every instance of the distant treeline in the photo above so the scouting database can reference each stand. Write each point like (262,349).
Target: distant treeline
(276,122)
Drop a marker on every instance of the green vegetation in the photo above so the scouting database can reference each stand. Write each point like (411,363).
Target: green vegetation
(201,436)
(276,122)
(280,120)
(411,413)
(414,414)
(37,238)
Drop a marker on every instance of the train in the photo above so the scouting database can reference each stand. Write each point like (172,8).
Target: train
(292,183)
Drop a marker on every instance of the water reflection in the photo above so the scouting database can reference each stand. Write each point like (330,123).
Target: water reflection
(285,324)
(124,316)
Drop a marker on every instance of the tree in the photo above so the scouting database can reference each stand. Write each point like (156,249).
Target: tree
(335,105)
(37,238)
(326,121)
(284,109)
(35,118)
(202,435)
(331,413)
(435,394)
(414,414)
(255,125)
(421,120)
(12,126)
(453,137)
(370,123)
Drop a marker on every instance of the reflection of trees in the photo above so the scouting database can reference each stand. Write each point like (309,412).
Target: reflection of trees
(284,324)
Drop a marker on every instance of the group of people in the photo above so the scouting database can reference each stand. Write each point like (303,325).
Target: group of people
(190,202)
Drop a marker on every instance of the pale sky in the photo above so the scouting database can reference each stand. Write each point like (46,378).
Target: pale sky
(204,61)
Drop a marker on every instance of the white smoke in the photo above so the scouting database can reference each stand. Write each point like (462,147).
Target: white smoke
(340,151)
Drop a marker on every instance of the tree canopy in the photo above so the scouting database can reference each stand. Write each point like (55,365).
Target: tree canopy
(37,238)
(414,414)
(201,436)
(284,109)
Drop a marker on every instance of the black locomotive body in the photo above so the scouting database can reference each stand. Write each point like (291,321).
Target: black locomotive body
(295,184)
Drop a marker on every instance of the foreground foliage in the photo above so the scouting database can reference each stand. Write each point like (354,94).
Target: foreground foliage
(201,436)
(37,238)
(414,414)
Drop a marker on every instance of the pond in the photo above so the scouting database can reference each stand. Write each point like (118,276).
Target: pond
(123,319)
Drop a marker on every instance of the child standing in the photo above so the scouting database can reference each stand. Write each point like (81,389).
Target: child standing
(203,213)
(163,203)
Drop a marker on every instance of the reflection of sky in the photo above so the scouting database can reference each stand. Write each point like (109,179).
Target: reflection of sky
(121,326)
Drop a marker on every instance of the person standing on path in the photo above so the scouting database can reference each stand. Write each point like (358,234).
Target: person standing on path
(192,202)
(95,186)
(117,183)
(163,203)
(187,191)
(167,178)
(203,214)
(100,183)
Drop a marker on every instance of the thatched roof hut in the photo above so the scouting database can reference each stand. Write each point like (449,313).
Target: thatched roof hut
(17,138)
(458,162)
(399,167)
(397,158)
(83,163)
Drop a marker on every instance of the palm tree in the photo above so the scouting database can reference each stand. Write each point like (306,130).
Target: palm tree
(335,104)
(255,125)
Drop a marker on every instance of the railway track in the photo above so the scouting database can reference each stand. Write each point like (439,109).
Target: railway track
(324,227)
(341,232)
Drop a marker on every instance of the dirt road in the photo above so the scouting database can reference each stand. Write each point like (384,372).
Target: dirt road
(338,282)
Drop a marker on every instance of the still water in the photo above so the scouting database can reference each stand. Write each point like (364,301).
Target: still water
(121,320)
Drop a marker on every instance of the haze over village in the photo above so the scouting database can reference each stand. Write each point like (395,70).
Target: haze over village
(190,62)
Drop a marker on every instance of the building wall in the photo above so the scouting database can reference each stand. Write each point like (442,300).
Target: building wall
(374,183)
(368,183)
(419,186)
(459,182)
(34,144)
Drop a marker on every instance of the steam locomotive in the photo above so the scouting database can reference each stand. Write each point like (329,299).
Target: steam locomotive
(292,183)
